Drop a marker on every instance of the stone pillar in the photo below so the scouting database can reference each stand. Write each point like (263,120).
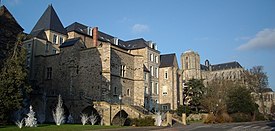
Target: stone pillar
(169,118)
(183,118)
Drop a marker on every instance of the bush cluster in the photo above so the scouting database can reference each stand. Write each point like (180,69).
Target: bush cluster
(147,121)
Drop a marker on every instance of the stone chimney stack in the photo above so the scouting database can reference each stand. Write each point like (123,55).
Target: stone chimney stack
(95,36)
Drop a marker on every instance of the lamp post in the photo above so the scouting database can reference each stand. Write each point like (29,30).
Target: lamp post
(120,98)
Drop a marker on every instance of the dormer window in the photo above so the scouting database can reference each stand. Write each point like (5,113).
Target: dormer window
(55,39)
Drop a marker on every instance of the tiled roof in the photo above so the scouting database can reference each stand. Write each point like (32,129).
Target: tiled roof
(167,60)
(49,21)
(70,42)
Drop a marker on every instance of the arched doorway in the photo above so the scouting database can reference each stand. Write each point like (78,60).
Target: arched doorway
(89,110)
(123,120)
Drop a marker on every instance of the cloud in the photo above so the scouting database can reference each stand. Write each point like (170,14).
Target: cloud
(139,28)
(264,39)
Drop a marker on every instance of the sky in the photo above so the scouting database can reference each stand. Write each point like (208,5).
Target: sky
(219,30)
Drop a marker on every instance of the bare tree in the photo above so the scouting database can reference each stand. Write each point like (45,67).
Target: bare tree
(256,80)
(84,118)
(58,114)
(93,119)
(214,97)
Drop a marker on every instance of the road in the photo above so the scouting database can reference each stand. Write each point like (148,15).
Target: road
(244,126)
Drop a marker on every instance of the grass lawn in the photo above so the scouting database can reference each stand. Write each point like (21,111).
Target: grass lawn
(51,127)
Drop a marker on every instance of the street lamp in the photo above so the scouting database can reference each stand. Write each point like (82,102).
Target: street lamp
(120,98)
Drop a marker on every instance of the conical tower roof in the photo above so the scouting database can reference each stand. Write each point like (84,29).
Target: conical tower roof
(49,21)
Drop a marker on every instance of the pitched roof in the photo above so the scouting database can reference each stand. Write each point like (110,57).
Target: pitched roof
(7,18)
(77,27)
(40,34)
(225,66)
(49,21)
(145,69)
(167,60)
(70,42)
(135,44)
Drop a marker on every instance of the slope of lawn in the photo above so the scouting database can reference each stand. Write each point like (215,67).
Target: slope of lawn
(51,127)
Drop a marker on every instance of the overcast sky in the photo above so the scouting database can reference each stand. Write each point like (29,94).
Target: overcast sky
(219,30)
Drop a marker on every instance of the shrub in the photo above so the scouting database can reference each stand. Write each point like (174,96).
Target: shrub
(183,109)
(241,117)
(223,118)
(210,119)
(147,121)
(259,116)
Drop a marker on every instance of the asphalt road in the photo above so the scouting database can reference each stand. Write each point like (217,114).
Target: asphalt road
(245,126)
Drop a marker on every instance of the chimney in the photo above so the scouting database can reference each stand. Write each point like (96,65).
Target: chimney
(95,36)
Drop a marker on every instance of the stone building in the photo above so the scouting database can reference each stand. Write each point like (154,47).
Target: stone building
(192,69)
(84,65)
(268,101)
(170,92)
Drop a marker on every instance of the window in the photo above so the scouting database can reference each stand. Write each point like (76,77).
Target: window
(128,92)
(156,88)
(145,76)
(164,107)
(28,61)
(164,90)
(166,75)
(156,59)
(186,63)
(55,39)
(29,46)
(151,57)
(47,47)
(152,88)
(156,72)
(49,73)
(54,51)
(146,90)
(60,40)
(152,70)
(77,69)
(115,90)
(122,70)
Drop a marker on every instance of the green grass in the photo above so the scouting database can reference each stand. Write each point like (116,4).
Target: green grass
(51,127)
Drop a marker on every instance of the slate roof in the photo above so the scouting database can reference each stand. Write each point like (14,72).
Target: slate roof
(135,44)
(145,69)
(167,60)
(49,21)
(203,67)
(267,90)
(130,45)
(40,34)
(70,42)
(77,27)
(223,66)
